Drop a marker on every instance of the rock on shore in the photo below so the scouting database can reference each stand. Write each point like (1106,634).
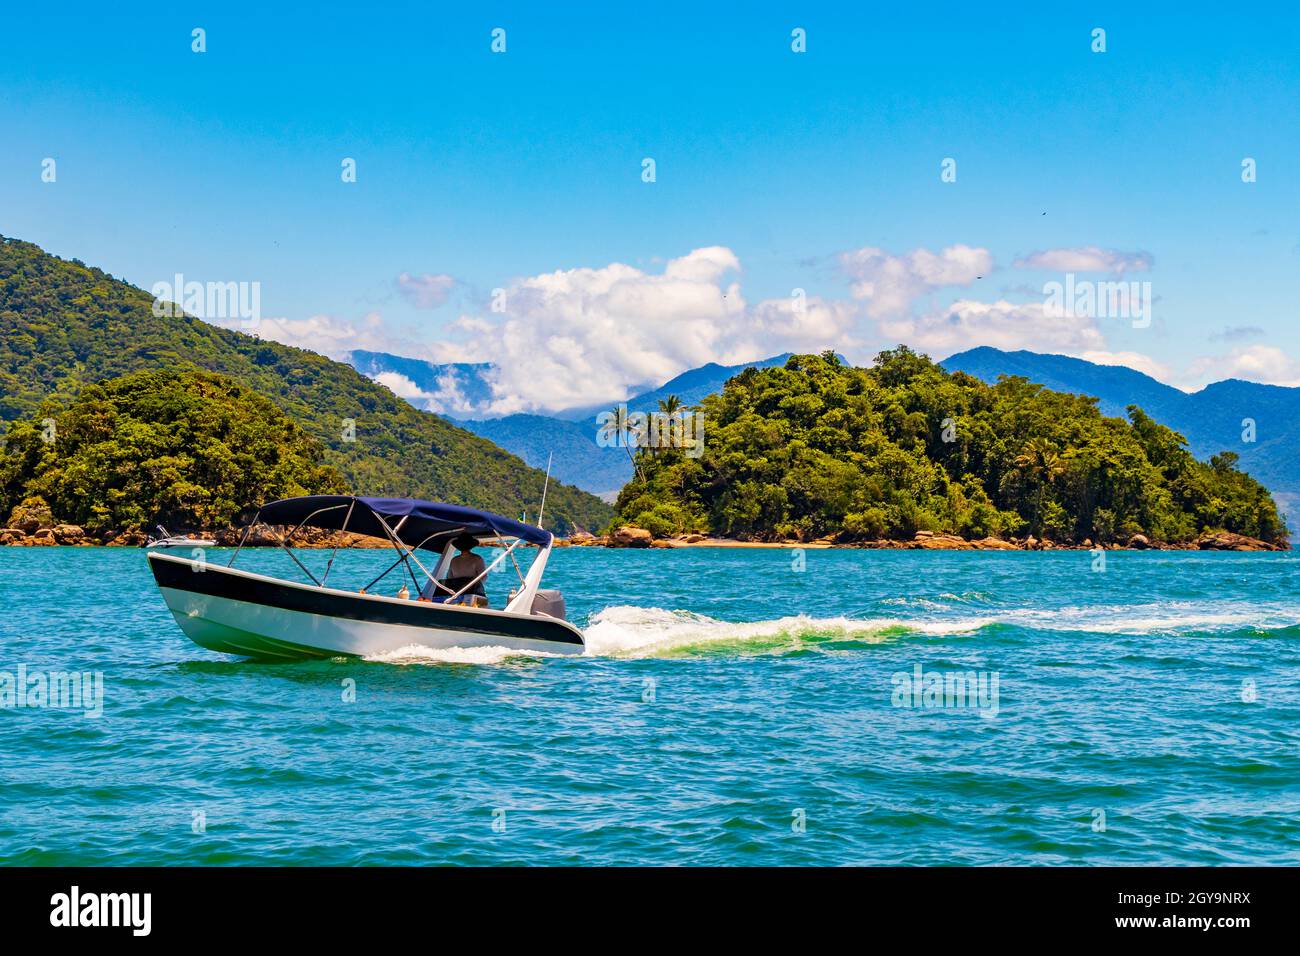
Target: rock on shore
(931,541)
(1227,541)
(629,536)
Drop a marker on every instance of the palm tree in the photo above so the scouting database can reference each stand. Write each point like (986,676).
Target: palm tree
(1039,462)
(616,428)
(671,407)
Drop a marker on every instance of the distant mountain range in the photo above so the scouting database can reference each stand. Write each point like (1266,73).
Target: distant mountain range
(463,390)
(577,461)
(1211,419)
(459,391)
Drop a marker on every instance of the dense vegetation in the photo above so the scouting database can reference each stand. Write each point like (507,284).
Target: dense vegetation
(817,447)
(1212,419)
(187,449)
(64,326)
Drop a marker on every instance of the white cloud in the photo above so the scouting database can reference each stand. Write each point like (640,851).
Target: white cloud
(890,284)
(779,325)
(402,387)
(425,291)
(703,265)
(447,399)
(1134,360)
(577,337)
(1002,324)
(333,336)
(1086,259)
(893,289)
(1256,363)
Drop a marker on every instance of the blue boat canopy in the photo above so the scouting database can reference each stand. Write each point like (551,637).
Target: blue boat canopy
(416,523)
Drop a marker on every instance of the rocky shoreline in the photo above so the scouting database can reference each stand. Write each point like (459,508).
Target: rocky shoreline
(628,536)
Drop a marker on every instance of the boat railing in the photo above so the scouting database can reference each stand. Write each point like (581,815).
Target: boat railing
(405,553)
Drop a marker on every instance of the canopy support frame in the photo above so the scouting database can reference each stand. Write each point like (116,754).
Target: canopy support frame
(405,553)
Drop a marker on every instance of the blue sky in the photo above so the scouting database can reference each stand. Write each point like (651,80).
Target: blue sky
(478,171)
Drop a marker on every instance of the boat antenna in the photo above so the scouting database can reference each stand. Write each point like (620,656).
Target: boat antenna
(545,483)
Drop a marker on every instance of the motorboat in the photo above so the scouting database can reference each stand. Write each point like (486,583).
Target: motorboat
(167,540)
(234,611)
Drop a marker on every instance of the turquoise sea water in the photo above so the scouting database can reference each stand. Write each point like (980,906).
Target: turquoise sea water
(731,710)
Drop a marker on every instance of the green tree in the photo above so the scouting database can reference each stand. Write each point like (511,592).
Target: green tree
(616,430)
(1040,463)
(185,449)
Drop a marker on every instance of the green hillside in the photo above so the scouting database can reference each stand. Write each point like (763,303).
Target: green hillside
(818,447)
(64,325)
(187,449)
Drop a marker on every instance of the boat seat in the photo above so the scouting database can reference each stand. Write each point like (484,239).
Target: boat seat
(449,586)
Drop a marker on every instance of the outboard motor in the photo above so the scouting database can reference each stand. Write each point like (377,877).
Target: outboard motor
(550,603)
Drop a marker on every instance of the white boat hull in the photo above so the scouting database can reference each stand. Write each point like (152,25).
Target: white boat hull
(237,612)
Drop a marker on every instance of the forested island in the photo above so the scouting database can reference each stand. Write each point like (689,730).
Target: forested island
(904,450)
(189,449)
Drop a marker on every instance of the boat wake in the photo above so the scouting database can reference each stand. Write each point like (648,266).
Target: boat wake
(655,632)
(638,632)
(630,632)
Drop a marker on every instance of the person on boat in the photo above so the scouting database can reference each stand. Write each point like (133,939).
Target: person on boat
(465,567)
(462,573)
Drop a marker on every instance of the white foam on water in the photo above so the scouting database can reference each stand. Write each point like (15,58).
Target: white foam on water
(626,631)
(1168,618)
(419,654)
(923,603)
